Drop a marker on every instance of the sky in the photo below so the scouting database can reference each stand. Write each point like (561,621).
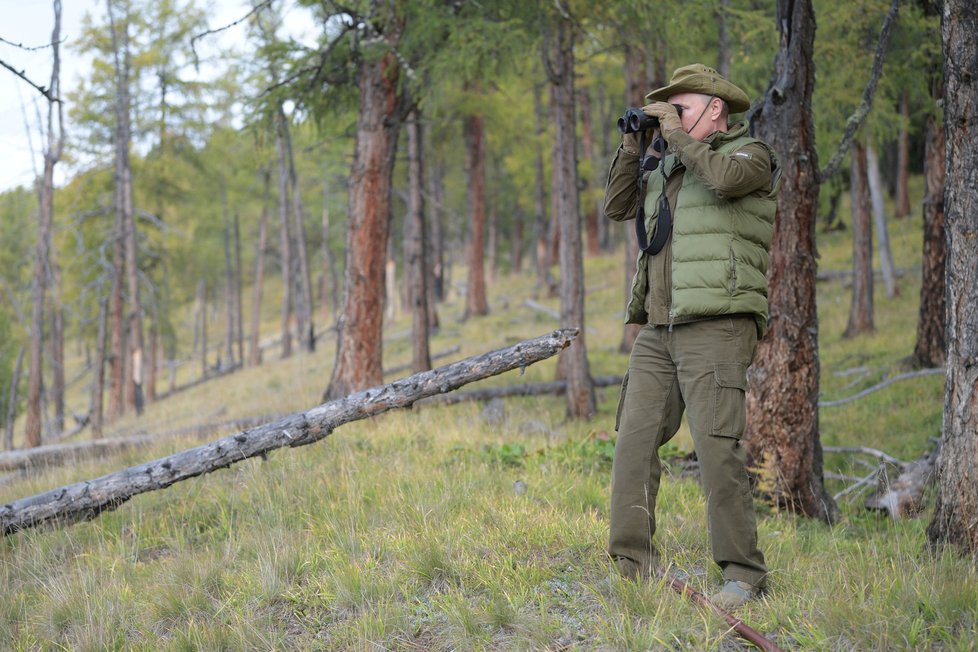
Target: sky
(30,22)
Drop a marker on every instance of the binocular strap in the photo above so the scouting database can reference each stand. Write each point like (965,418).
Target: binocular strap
(663,226)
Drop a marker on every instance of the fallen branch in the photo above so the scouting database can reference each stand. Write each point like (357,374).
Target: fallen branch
(860,482)
(86,500)
(865,450)
(59,454)
(746,631)
(524,389)
(539,307)
(875,388)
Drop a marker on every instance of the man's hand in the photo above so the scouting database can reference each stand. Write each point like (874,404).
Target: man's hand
(669,121)
(630,142)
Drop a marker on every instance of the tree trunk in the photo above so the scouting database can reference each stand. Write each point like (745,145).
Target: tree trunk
(415,266)
(516,252)
(587,143)
(930,349)
(285,243)
(201,309)
(57,339)
(861,308)
(153,356)
(635,75)
(580,387)
(303,283)
(955,520)
(902,208)
(328,286)
(782,404)
(475,298)
(879,219)
(494,237)
(86,500)
(723,40)
(11,416)
(544,279)
(238,281)
(359,338)
(98,385)
(254,356)
(228,294)
(436,191)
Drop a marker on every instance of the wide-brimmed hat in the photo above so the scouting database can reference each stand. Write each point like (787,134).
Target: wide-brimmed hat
(697,78)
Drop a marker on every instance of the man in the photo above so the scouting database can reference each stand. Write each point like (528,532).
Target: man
(700,291)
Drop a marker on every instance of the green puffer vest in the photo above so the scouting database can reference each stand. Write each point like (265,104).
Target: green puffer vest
(719,247)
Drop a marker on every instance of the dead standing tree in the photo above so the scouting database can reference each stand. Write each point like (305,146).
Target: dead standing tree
(86,500)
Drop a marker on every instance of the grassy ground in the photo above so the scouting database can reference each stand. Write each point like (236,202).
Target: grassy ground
(433,529)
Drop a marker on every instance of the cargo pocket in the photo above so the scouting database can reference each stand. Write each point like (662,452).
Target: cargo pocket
(729,400)
(621,401)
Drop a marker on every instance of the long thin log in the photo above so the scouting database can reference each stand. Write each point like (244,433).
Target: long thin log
(905,496)
(739,626)
(865,450)
(524,389)
(58,454)
(86,500)
(875,388)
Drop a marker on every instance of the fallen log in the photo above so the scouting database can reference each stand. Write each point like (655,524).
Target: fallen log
(59,454)
(86,500)
(524,389)
(886,383)
(904,496)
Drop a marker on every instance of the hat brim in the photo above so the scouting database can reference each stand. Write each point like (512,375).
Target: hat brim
(736,101)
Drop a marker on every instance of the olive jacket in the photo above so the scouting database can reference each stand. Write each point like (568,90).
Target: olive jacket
(721,192)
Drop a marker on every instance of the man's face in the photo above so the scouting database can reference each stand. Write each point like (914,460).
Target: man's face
(700,113)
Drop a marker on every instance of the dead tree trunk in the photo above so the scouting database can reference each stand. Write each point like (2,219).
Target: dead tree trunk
(254,356)
(359,337)
(887,266)
(303,283)
(238,281)
(52,154)
(228,293)
(86,500)
(930,349)
(580,387)
(861,308)
(955,520)
(782,406)
(201,309)
(57,340)
(415,266)
(475,298)
(545,280)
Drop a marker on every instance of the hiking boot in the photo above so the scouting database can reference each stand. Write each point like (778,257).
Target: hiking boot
(734,594)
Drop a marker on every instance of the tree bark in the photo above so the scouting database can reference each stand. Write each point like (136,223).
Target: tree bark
(303,283)
(782,405)
(436,191)
(98,384)
(723,40)
(52,154)
(544,278)
(57,339)
(11,415)
(516,252)
(285,243)
(228,293)
(254,357)
(879,219)
(329,284)
(86,500)
(238,282)
(861,307)
(475,298)
(902,207)
(574,361)
(587,144)
(955,520)
(930,349)
(359,338)
(415,265)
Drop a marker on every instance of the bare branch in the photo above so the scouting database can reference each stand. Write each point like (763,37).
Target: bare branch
(193,41)
(40,89)
(889,381)
(856,119)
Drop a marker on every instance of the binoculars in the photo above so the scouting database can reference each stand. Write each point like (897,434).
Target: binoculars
(636,120)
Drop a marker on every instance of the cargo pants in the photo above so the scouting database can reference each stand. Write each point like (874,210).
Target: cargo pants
(700,368)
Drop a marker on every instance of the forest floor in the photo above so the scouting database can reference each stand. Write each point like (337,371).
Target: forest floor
(455,528)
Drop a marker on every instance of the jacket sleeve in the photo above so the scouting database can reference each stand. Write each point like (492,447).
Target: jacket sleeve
(621,191)
(737,174)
